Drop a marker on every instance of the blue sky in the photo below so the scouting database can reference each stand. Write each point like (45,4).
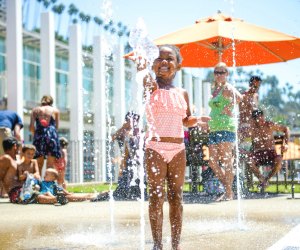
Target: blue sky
(165,16)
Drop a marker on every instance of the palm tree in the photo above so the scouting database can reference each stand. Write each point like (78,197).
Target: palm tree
(113,30)
(87,21)
(81,17)
(72,11)
(46,3)
(58,9)
(98,20)
(120,29)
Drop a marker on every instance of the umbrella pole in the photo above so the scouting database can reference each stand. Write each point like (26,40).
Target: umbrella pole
(220,49)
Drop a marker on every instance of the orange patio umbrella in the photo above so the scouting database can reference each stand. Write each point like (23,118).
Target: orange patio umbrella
(211,40)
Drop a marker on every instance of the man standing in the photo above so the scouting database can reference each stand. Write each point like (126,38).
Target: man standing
(10,125)
(246,107)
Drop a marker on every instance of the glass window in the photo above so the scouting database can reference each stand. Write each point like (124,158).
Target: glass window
(88,156)
(2,45)
(62,90)
(87,88)
(2,63)
(62,63)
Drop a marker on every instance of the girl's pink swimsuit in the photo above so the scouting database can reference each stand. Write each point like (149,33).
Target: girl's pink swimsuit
(165,112)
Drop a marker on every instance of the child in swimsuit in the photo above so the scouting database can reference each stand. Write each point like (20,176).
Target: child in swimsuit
(61,163)
(167,112)
(28,174)
(28,164)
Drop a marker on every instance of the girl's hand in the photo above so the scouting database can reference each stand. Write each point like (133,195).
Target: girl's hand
(140,62)
(204,119)
(203,126)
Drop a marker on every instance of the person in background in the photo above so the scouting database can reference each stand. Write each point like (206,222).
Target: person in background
(52,193)
(60,164)
(128,138)
(10,125)
(8,168)
(28,174)
(246,123)
(44,122)
(28,165)
(167,112)
(222,129)
(264,153)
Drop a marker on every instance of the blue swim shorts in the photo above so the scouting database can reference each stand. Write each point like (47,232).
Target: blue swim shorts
(221,136)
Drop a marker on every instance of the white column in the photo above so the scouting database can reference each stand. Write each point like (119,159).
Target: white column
(119,85)
(198,96)
(188,85)
(206,97)
(48,84)
(178,79)
(14,56)
(100,133)
(76,92)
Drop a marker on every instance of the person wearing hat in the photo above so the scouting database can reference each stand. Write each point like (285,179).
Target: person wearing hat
(8,168)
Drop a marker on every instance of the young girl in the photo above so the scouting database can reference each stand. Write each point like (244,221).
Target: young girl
(167,112)
(28,175)
(61,163)
(28,164)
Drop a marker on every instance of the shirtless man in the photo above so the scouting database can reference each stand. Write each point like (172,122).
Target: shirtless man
(246,107)
(8,169)
(264,146)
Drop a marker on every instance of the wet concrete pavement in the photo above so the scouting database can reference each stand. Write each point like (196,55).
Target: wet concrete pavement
(92,225)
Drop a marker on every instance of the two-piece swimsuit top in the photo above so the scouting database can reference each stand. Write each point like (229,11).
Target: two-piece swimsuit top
(165,111)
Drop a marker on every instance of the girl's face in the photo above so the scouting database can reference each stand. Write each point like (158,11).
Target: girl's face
(29,154)
(166,65)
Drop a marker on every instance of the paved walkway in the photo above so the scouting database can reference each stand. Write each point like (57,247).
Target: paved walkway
(207,225)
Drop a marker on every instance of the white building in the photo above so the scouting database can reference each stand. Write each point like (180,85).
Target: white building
(89,89)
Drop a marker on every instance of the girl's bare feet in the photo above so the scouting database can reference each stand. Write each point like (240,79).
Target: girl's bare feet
(157,246)
(221,197)
(176,248)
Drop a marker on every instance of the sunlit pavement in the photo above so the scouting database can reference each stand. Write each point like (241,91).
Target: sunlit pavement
(262,224)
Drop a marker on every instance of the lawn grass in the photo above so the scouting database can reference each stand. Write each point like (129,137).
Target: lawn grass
(90,187)
(100,187)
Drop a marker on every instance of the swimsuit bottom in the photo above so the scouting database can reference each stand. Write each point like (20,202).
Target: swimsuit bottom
(14,194)
(166,149)
(265,157)
(60,164)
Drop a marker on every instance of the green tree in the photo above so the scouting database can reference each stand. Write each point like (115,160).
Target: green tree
(72,10)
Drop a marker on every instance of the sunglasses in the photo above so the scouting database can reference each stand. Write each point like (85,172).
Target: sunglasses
(220,72)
